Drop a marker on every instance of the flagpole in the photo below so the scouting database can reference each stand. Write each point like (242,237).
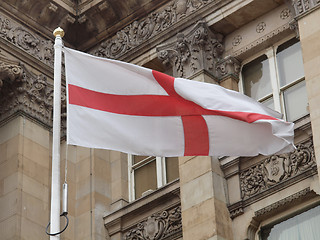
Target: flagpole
(55,183)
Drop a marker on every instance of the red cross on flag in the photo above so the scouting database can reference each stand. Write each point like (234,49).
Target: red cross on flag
(120,106)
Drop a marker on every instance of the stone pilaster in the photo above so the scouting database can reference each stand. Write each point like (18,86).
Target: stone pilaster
(197,55)
(24,179)
(119,180)
(308,17)
(203,199)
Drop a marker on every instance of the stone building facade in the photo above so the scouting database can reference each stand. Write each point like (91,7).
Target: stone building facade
(269,50)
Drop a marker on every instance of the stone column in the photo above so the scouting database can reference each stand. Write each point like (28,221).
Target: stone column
(308,17)
(197,55)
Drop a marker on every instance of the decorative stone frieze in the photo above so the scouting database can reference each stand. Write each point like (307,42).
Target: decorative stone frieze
(142,30)
(276,169)
(259,41)
(29,42)
(301,7)
(26,92)
(197,50)
(164,225)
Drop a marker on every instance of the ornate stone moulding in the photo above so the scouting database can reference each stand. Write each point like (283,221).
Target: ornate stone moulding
(143,31)
(24,39)
(23,92)
(258,44)
(302,7)
(273,174)
(280,206)
(154,216)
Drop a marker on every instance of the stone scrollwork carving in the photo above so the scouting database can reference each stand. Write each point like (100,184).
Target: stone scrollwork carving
(142,30)
(197,50)
(32,44)
(276,169)
(157,226)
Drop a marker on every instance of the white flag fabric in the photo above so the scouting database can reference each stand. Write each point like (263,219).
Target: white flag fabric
(120,106)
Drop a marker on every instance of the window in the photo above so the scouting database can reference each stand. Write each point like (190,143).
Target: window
(276,79)
(149,173)
(304,226)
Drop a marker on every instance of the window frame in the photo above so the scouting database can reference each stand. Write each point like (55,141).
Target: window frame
(160,170)
(277,92)
(267,225)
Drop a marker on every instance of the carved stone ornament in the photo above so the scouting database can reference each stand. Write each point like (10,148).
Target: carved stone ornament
(285,13)
(158,226)
(236,40)
(29,42)
(199,49)
(303,6)
(23,91)
(142,30)
(228,66)
(261,27)
(9,73)
(276,169)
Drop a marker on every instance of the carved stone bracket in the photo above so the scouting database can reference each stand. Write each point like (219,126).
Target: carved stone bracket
(227,67)
(162,225)
(277,169)
(26,92)
(142,30)
(197,50)
(9,73)
(29,42)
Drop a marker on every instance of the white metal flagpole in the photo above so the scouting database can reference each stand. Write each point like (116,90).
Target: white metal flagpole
(55,183)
